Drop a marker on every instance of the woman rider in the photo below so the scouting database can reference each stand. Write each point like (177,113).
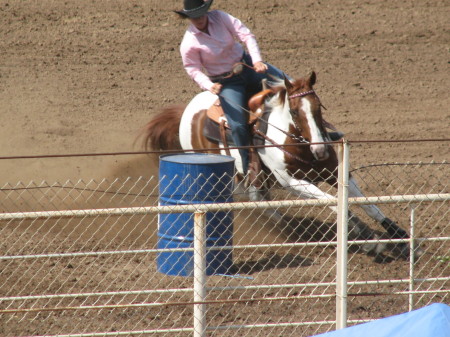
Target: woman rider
(210,49)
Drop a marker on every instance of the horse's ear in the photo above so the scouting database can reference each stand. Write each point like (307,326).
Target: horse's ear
(287,83)
(312,79)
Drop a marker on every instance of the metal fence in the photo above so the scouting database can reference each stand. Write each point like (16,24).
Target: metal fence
(79,258)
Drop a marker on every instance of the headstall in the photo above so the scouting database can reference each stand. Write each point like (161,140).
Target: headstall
(301,94)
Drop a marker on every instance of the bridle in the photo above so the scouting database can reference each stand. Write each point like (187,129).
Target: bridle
(302,94)
(309,92)
(299,138)
(294,113)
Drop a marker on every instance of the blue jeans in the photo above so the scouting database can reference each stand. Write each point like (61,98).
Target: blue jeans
(234,96)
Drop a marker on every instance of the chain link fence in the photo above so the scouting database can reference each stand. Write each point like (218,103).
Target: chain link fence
(80,258)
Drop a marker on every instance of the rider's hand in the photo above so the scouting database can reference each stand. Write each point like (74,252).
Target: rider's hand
(216,88)
(260,67)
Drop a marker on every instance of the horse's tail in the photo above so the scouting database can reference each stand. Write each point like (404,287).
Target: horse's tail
(161,133)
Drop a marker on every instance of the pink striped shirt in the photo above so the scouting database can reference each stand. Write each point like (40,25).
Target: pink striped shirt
(216,53)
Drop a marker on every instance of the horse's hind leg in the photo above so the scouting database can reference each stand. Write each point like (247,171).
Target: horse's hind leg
(245,185)
(256,179)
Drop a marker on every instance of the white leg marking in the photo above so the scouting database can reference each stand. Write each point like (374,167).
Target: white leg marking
(302,188)
(308,190)
(372,210)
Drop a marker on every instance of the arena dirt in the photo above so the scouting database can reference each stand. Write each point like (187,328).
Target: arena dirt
(85,76)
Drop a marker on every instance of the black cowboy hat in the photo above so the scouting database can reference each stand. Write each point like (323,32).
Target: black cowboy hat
(195,8)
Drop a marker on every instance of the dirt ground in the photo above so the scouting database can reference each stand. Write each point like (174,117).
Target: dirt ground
(82,77)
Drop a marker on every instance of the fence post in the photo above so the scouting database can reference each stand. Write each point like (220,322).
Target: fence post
(342,231)
(411,257)
(199,274)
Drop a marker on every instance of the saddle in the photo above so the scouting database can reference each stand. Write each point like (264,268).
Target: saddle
(217,126)
(216,114)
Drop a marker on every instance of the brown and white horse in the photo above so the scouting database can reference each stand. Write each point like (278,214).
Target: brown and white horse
(300,160)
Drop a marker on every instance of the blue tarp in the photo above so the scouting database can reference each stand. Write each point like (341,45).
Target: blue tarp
(430,321)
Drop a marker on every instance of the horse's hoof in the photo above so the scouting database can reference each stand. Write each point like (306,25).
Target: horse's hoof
(335,135)
(382,259)
(254,194)
(374,248)
(403,251)
(418,252)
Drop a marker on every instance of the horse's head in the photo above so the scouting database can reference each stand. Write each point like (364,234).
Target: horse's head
(305,110)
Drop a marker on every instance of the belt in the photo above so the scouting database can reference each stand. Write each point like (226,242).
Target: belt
(237,69)
(228,74)
(217,78)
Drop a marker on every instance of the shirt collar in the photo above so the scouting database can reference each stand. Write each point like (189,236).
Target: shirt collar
(194,30)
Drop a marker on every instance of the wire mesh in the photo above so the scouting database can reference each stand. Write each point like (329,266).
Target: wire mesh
(98,275)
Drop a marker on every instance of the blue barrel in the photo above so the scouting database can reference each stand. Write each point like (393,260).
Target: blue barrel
(195,178)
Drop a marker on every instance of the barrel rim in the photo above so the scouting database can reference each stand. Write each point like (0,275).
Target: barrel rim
(210,155)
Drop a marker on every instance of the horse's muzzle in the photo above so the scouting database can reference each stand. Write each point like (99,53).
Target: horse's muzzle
(320,151)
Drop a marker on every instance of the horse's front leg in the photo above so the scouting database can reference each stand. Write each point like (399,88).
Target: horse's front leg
(357,230)
(393,230)
(375,213)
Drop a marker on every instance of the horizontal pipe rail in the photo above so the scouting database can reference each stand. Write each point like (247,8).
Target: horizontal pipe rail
(228,301)
(170,250)
(123,333)
(219,207)
(226,327)
(133,153)
(243,288)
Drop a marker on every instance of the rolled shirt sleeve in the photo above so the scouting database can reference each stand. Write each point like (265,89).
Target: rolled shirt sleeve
(192,64)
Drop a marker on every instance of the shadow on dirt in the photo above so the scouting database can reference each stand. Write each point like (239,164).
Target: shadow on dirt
(272,261)
(292,230)
(297,229)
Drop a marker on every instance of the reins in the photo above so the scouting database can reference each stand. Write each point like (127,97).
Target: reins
(281,147)
(300,139)
(290,135)
(238,68)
